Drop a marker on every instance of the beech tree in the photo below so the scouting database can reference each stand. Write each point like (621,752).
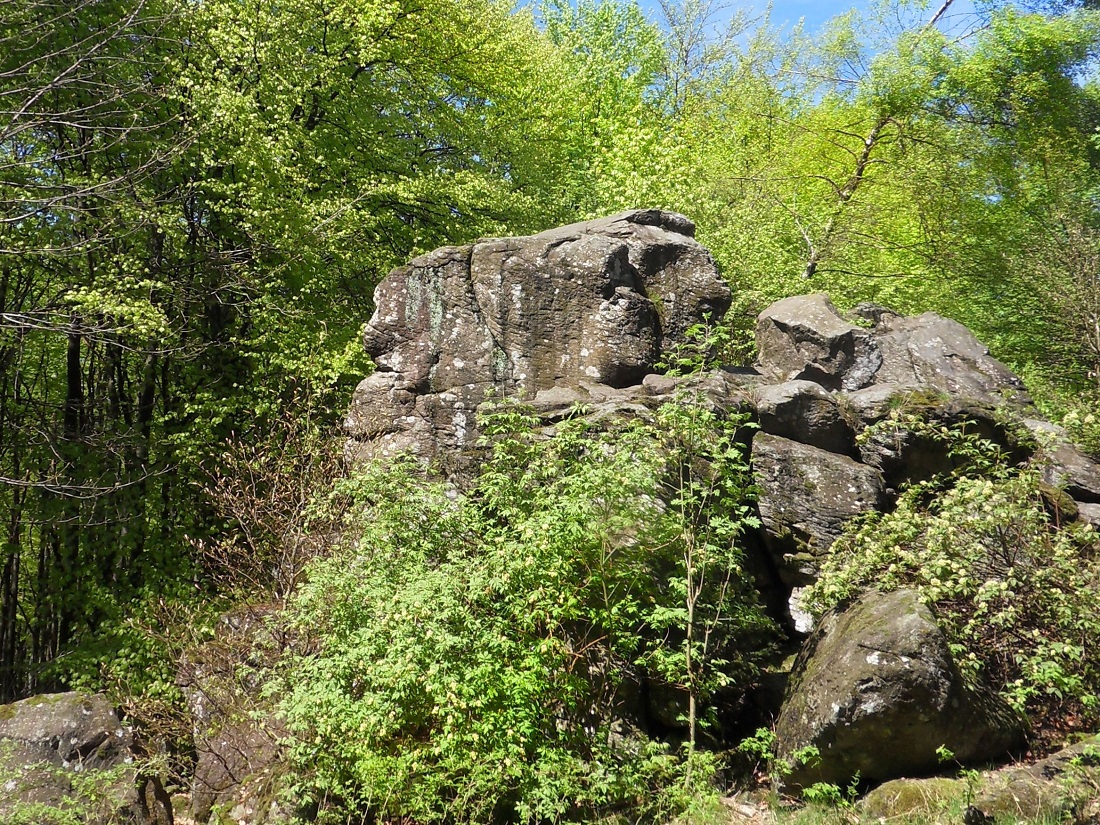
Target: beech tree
(195,203)
(88,134)
(905,167)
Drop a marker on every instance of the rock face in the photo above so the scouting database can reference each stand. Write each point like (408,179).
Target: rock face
(806,496)
(805,412)
(582,315)
(806,338)
(875,690)
(596,302)
(68,754)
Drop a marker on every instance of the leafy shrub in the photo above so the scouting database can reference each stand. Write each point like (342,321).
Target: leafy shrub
(1082,422)
(1015,591)
(475,656)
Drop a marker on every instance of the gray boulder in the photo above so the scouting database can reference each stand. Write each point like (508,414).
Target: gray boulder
(1067,467)
(1062,464)
(806,496)
(593,302)
(875,690)
(803,411)
(804,337)
(1089,514)
(65,756)
(931,352)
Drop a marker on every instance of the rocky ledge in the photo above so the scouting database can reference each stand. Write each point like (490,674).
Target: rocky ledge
(585,314)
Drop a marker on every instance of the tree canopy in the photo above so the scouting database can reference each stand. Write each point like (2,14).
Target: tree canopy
(197,198)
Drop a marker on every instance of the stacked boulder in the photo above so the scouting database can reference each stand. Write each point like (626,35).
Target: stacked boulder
(587,309)
(586,314)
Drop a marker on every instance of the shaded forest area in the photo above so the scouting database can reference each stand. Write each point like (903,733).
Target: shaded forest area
(197,199)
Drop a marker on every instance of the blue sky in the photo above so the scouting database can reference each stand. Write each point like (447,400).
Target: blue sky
(815,12)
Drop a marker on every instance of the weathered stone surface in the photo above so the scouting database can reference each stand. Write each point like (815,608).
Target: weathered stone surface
(68,753)
(806,496)
(803,411)
(876,692)
(913,799)
(906,455)
(239,764)
(874,403)
(1064,787)
(804,337)
(1089,514)
(1061,788)
(592,302)
(1063,464)
(1067,467)
(932,352)
(69,728)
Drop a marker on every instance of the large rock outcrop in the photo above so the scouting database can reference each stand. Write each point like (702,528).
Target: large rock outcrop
(595,302)
(583,315)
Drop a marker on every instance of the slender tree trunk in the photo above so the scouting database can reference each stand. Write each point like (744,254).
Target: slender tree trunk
(844,195)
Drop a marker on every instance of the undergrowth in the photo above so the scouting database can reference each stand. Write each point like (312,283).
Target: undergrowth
(1014,588)
(486,656)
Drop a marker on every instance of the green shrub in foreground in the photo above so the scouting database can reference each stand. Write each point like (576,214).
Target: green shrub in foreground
(1015,591)
(471,653)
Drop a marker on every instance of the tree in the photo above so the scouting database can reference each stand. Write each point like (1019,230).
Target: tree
(88,133)
(905,167)
(197,199)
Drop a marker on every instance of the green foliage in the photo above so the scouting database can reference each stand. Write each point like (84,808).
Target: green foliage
(1011,585)
(832,795)
(704,346)
(760,747)
(478,651)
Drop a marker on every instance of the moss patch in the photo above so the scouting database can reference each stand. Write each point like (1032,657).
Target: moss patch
(913,797)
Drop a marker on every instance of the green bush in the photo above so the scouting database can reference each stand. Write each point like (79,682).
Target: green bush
(1015,591)
(475,657)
